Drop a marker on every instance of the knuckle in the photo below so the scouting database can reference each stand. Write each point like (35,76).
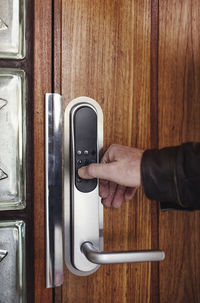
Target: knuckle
(121,189)
(113,145)
(117,204)
(91,169)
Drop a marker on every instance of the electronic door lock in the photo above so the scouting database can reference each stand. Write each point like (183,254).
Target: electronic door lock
(83,210)
(83,136)
(83,143)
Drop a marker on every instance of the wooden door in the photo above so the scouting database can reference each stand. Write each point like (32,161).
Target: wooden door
(140,61)
(179,121)
(106,56)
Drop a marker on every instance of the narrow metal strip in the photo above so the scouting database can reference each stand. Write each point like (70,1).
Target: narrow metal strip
(53,190)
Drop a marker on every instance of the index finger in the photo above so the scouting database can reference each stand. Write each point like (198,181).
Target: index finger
(97,170)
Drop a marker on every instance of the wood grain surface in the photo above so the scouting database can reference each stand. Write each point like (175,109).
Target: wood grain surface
(179,121)
(42,84)
(106,56)
(56,80)
(155,288)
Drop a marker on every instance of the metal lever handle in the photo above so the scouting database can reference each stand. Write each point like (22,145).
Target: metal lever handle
(94,256)
(3,254)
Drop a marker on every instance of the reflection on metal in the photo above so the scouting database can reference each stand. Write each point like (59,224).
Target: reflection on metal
(3,175)
(3,254)
(3,103)
(53,190)
(97,257)
(3,25)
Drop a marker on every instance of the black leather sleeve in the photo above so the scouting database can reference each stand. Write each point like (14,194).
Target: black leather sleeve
(172,175)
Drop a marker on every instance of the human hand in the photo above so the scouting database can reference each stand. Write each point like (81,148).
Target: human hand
(119,173)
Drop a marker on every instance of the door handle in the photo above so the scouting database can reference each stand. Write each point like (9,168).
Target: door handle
(96,257)
(83,214)
(3,254)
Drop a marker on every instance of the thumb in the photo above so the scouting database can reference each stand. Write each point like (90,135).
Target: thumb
(97,170)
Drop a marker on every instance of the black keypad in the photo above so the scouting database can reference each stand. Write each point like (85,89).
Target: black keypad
(85,130)
(86,162)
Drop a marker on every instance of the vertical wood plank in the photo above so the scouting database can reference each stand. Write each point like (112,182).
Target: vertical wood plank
(56,74)
(42,84)
(155,295)
(106,56)
(57,45)
(179,121)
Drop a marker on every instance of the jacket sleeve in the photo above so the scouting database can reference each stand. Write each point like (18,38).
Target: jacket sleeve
(172,175)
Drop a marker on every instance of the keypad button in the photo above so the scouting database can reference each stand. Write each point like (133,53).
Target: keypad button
(87,162)
(86,152)
(79,152)
(79,162)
